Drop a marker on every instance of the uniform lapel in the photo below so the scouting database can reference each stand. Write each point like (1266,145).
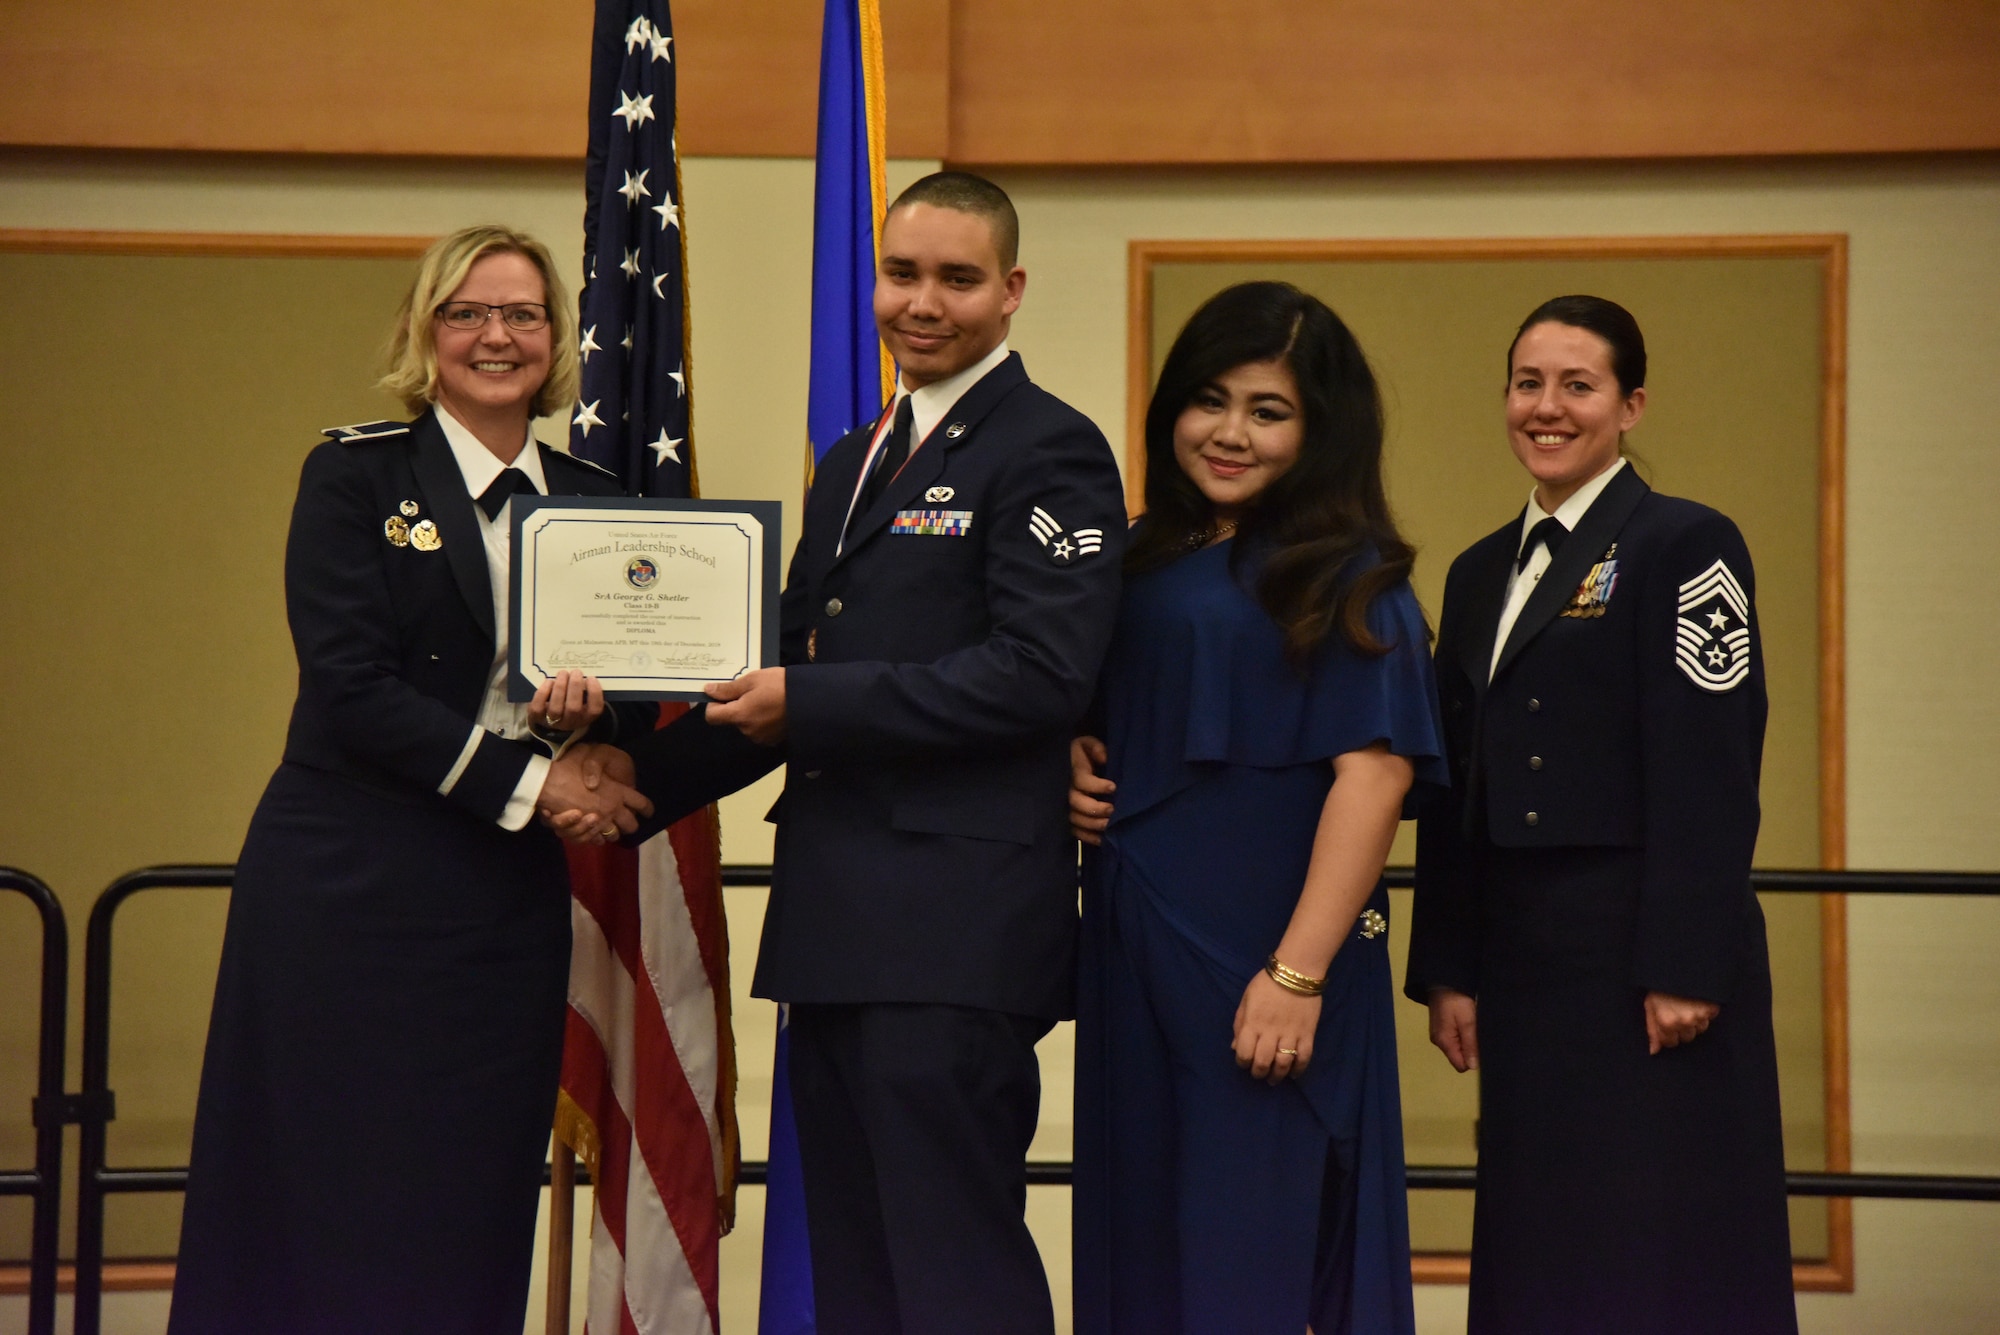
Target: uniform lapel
(1489,594)
(1584,547)
(927,463)
(457,522)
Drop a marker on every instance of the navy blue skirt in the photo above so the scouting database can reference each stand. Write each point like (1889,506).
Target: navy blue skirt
(1618,1191)
(381,1070)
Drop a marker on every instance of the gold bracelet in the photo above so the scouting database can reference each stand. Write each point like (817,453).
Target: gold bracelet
(1292,980)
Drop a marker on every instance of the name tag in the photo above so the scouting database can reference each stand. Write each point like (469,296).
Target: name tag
(932,523)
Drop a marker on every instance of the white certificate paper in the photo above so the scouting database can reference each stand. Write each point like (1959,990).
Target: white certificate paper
(654,598)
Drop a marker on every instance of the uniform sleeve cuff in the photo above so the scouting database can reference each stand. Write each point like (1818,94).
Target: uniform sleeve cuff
(464,759)
(522,804)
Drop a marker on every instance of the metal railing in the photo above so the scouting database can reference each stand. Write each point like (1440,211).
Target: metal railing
(51,1108)
(95,1106)
(95,1179)
(1462,1177)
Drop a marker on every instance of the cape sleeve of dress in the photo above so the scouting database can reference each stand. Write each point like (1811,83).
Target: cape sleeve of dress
(1222,692)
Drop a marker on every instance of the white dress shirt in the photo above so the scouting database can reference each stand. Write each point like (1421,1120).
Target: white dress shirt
(1521,584)
(929,405)
(497,714)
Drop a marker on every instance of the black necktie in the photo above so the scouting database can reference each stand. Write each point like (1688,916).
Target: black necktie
(895,451)
(510,481)
(1549,533)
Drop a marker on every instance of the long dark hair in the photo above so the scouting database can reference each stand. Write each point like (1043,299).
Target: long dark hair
(1311,524)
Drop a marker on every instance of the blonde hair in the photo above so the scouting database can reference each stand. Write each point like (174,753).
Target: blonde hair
(412,352)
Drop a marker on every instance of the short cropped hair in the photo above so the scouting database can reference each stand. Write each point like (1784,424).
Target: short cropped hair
(965,193)
(412,352)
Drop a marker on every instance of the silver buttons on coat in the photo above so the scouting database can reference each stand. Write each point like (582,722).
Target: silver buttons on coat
(833,607)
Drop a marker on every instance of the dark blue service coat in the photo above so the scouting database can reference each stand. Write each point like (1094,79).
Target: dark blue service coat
(935,668)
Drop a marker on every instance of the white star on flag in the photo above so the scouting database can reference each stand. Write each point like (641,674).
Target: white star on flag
(664,449)
(658,279)
(639,34)
(589,344)
(634,188)
(586,416)
(670,214)
(660,45)
(631,268)
(626,342)
(680,381)
(634,111)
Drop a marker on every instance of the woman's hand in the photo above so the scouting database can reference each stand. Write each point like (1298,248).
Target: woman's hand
(1089,792)
(1455,1028)
(1274,1030)
(1672,1021)
(566,702)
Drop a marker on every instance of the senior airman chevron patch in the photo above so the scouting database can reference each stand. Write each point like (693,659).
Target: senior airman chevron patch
(1712,633)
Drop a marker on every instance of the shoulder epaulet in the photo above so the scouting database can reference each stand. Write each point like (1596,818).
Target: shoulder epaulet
(576,459)
(348,435)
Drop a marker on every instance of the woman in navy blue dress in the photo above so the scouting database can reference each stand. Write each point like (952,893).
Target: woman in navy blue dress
(1266,707)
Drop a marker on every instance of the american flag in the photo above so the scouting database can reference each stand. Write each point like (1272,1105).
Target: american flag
(648,1081)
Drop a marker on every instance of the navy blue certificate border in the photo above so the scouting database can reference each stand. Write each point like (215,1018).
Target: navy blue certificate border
(770,514)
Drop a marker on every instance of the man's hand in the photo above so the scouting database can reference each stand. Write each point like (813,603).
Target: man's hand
(1672,1021)
(754,704)
(1089,792)
(1455,1028)
(588,796)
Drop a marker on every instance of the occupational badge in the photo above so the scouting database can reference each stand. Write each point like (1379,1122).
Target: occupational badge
(939,495)
(1595,591)
(424,536)
(409,509)
(397,530)
(1063,547)
(1712,632)
(954,431)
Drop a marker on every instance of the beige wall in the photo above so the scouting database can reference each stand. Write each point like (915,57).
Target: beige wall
(1924,484)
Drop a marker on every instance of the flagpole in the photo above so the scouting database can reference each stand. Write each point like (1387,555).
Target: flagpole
(562,1234)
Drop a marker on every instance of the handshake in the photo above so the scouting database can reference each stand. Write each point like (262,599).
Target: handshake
(588,797)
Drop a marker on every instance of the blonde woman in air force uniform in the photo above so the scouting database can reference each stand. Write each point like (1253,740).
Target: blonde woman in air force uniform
(382,1057)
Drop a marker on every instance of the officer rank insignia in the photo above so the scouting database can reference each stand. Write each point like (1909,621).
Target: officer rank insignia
(1712,634)
(1591,596)
(397,530)
(348,435)
(1062,547)
(932,523)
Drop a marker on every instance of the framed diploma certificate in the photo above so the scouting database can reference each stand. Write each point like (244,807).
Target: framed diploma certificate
(654,598)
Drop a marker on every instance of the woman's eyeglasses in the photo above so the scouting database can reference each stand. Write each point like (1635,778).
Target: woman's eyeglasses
(523,317)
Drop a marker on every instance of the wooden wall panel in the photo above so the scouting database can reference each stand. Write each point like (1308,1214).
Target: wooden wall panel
(373,77)
(1222,81)
(1024,82)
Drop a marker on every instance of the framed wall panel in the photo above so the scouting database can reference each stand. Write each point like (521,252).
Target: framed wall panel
(171,384)
(1747,342)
